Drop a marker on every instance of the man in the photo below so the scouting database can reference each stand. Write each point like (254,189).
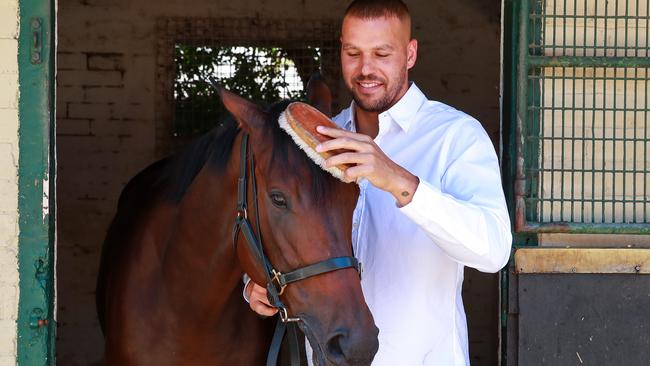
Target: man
(430,201)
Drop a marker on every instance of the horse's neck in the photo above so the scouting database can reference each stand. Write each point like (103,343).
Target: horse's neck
(199,266)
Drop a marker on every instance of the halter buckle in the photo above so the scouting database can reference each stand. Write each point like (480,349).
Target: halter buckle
(276,280)
(284,316)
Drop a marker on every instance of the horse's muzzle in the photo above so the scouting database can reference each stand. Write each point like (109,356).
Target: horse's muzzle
(352,348)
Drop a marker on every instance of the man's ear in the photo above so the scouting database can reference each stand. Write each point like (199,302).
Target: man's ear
(250,116)
(412,54)
(319,94)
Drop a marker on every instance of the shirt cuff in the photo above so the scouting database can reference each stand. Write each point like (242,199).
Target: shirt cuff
(423,199)
(246,279)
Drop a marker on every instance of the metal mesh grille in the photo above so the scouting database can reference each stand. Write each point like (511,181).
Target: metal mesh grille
(590,28)
(583,103)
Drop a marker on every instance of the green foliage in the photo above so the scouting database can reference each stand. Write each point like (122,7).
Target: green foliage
(257,73)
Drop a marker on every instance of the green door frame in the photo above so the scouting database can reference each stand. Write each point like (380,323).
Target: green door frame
(36,183)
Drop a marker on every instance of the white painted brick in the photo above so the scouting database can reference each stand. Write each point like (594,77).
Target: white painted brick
(8,19)
(8,161)
(8,89)
(8,233)
(8,300)
(8,180)
(9,360)
(8,48)
(7,337)
(9,126)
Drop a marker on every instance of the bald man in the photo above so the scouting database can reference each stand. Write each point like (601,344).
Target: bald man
(430,199)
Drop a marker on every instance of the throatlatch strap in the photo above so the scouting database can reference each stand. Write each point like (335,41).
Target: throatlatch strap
(316,269)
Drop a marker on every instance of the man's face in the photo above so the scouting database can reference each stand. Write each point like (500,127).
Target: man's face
(376,55)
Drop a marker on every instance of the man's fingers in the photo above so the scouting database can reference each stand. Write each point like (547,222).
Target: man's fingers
(259,301)
(338,132)
(259,294)
(347,158)
(346,143)
(263,309)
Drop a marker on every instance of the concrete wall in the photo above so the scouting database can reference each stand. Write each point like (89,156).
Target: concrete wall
(107,90)
(8,180)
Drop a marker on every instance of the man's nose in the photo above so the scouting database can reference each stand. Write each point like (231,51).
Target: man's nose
(367,66)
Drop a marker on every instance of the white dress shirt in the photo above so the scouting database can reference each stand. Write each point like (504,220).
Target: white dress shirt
(413,257)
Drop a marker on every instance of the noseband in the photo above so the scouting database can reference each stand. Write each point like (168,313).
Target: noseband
(276,282)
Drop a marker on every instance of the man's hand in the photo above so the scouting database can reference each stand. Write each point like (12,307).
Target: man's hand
(259,302)
(369,162)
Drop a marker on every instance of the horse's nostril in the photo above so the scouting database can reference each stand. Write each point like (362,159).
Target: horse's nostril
(356,348)
(334,348)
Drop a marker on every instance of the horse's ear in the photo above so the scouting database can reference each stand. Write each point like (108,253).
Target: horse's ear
(250,116)
(319,94)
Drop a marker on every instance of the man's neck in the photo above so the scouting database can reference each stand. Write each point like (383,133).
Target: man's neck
(367,122)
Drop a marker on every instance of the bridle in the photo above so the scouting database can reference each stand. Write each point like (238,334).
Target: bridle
(276,282)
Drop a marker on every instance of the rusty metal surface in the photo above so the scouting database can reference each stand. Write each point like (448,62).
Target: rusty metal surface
(569,260)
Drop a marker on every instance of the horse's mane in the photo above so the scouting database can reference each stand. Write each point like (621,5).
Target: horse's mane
(215,148)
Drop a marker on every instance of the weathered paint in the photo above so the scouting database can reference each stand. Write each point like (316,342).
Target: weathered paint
(582,260)
(36,323)
(9,289)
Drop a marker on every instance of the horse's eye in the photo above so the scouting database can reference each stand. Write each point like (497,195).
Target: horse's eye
(278,200)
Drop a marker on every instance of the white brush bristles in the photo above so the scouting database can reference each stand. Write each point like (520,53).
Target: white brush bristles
(304,146)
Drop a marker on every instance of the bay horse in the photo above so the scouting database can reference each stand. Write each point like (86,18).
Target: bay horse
(169,289)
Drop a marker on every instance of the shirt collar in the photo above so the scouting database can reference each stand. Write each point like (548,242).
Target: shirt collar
(403,112)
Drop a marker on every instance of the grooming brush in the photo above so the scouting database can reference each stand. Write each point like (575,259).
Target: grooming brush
(300,120)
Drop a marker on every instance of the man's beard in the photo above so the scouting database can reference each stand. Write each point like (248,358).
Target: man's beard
(382,104)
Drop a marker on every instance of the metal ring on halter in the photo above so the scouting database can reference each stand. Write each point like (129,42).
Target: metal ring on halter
(284,316)
(276,279)
(242,213)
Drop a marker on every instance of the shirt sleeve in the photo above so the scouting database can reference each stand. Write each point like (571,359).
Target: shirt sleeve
(466,214)
(246,279)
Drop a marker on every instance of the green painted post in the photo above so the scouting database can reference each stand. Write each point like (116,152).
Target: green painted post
(36,203)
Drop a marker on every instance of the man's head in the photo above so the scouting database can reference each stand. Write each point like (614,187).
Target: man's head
(376,52)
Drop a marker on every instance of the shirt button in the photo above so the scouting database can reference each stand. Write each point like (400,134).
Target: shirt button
(355,224)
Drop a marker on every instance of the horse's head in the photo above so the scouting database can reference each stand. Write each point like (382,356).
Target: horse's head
(306,217)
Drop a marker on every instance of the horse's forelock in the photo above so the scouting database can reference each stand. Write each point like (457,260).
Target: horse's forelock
(291,158)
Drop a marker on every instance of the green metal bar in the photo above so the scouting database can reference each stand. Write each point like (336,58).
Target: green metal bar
(634,158)
(593,134)
(645,144)
(603,148)
(569,61)
(521,114)
(582,228)
(36,176)
(583,155)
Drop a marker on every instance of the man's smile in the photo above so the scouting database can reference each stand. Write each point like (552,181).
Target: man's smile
(368,87)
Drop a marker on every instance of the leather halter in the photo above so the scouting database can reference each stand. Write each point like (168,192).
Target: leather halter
(276,282)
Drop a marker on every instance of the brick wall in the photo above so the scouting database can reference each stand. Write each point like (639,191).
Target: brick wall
(8,180)
(107,128)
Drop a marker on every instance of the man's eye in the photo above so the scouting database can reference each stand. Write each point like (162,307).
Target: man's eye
(278,200)
(353,54)
(383,54)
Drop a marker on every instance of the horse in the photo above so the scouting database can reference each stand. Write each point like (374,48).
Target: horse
(169,288)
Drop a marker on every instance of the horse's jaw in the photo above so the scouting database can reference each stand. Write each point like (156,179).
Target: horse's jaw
(318,355)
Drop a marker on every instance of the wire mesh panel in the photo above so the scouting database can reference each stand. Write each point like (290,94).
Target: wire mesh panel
(583,117)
